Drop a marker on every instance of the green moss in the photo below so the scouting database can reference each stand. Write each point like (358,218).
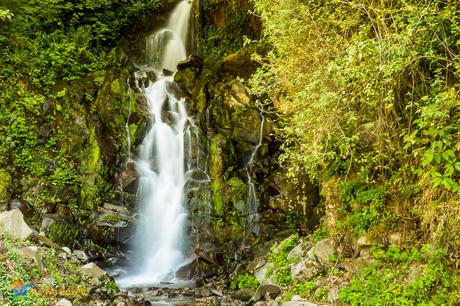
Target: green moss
(117,87)
(242,281)
(278,255)
(63,233)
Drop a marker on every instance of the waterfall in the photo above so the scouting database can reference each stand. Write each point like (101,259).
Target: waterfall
(252,201)
(160,247)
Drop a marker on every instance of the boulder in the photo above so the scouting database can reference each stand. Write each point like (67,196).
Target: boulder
(26,209)
(299,303)
(324,250)
(261,273)
(92,270)
(63,302)
(80,255)
(190,61)
(269,290)
(188,269)
(243,294)
(305,270)
(32,252)
(13,223)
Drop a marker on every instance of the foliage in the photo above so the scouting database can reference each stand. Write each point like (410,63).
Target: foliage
(368,91)
(227,25)
(393,279)
(242,281)
(63,278)
(363,206)
(48,48)
(304,290)
(320,233)
(278,255)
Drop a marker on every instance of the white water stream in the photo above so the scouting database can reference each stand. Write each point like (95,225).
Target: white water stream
(160,246)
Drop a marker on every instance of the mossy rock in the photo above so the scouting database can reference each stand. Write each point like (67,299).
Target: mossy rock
(63,233)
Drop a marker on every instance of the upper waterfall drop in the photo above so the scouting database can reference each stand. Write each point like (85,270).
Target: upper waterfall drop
(160,242)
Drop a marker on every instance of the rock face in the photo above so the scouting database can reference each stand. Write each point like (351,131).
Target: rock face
(266,290)
(305,270)
(324,251)
(92,270)
(13,223)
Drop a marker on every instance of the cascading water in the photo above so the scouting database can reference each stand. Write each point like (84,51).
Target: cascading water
(159,246)
(252,201)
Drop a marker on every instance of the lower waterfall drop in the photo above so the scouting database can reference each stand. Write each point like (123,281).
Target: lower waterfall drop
(160,244)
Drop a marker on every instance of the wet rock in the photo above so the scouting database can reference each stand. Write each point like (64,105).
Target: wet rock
(243,294)
(186,78)
(92,270)
(80,255)
(239,64)
(12,222)
(305,270)
(216,292)
(190,61)
(5,189)
(63,302)
(262,291)
(324,251)
(128,178)
(26,209)
(246,126)
(188,270)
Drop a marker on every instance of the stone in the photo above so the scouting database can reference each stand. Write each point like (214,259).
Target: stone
(305,270)
(357,264)
(324,250)
(67,250)
(261,273)
(216,292)
(239,64)
(13,223)
(92,270)
(188,269)
(246,126)
(263,290)
(31,252)
(366,241)
(296,252)
(5,189)
(63,302)
(190,61)
(299,303)
(333,295)
(47,221)
(80,255)
(26,209)
(243,294)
